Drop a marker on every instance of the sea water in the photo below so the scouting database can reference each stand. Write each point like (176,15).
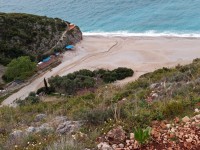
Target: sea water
(118,17)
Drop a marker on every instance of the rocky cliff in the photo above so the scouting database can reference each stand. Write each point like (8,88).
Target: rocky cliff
(25,34)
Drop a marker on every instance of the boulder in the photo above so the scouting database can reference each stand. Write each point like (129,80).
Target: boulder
(68,127)
(104,146)
(116,135)
(40,117)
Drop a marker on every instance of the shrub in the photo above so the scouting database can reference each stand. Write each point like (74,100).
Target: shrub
(173,108)
(122,73)
(98,116)
(85,79)
(109,77)
(19,69)
(31,99)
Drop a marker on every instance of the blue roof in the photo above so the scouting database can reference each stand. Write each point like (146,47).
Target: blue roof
(69,46)
(46,59)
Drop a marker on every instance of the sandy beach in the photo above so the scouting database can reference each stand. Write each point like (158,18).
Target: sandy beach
(142,54)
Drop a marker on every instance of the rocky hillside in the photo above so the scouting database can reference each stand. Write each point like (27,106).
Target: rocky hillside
(160,110)
(25,34)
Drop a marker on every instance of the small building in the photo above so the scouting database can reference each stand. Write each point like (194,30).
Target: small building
(47,62)
(71,26)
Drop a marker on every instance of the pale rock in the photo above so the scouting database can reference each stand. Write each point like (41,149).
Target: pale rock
(168,126)
(173,130)
(189,140)
(186,119)
(132,136)
(116,135)
(58,120)
(155,95)
(68,127)
(197,117)
(155,85)
(128,142)
(196,110)
(44,127)
(16,134)
(40,117)
(130,147)
(121,145)
(30,129)
(114,146)
(104,146)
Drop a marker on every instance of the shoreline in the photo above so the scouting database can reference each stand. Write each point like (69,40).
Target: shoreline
(145,34)
(142,54)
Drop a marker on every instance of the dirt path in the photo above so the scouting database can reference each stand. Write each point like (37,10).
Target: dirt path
(142,54)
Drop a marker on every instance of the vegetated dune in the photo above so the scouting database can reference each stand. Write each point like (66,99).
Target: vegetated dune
(142,54)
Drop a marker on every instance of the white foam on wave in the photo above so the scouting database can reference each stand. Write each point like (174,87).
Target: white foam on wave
(150,33)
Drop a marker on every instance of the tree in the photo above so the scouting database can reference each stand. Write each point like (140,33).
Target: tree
(20,69)
(46,86)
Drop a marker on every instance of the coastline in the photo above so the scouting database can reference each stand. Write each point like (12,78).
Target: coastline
(150,33)
(142,54)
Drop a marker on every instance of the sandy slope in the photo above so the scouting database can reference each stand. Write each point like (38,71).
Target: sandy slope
(142,54)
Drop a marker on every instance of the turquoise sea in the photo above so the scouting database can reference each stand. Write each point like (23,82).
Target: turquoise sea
(118,17)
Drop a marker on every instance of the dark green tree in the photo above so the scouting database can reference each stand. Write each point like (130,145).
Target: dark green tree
(46,85)
(20,69)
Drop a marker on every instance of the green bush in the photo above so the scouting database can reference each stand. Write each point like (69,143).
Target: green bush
(85,79)
(122,73)
(31,99)
(19,69)
(173,108)
(142,135)
(98,116)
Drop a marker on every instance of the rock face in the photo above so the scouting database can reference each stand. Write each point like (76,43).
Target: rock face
(25,34)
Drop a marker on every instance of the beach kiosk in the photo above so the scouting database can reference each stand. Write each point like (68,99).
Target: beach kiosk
(69,47)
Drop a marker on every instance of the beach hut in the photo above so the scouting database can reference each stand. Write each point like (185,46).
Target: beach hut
(69,47)
(46,59)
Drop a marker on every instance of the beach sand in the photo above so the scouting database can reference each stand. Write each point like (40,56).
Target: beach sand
(142,54)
